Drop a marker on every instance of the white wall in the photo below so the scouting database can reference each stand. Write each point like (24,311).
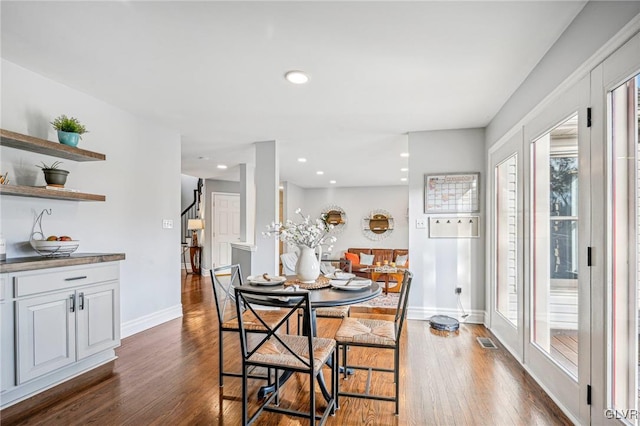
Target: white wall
(440,265)
(140,178)
(358,204)
(293,198)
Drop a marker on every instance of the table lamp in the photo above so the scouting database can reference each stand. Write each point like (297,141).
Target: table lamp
(195,225)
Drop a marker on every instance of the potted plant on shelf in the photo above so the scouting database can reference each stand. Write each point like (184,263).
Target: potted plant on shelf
(69,130)
(53,175)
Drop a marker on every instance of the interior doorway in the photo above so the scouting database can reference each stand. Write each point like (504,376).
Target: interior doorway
(225,208)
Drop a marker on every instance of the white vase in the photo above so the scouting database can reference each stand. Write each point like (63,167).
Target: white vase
(307,266)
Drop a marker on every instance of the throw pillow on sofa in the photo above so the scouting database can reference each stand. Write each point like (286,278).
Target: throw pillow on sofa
(402,260)
(366,259)
(354,258)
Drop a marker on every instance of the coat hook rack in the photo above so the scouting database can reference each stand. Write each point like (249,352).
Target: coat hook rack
(454,227)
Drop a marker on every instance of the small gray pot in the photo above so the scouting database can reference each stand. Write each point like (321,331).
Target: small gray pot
(55,177)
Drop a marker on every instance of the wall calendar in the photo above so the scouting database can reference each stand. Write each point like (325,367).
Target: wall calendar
(452,193)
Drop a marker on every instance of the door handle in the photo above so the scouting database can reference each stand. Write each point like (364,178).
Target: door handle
(72,300)
(81,296)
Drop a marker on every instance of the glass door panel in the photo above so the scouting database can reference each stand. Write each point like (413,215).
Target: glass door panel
(624,224)
(506,232)
(506,208)
(555,245)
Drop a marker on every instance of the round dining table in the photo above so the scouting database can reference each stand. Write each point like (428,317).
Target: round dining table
(318,298)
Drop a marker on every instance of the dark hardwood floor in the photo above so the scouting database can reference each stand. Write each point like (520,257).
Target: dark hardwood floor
(167,375)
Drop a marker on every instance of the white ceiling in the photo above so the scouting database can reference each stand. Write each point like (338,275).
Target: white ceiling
(214,71)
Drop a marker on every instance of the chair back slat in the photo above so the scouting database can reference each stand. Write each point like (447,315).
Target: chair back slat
(224,279)
(247,297)
(401,311)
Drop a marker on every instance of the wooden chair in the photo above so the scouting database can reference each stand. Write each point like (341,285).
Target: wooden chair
(333,311)
(224,279)
(376,334)
(284,352)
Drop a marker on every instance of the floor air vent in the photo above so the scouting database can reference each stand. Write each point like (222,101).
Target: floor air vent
(486,343)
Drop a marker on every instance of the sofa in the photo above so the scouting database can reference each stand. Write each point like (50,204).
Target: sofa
(379,255)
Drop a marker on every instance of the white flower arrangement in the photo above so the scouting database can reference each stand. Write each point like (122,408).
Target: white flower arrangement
(306,233)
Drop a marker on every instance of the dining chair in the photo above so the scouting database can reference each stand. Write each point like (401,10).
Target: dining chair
(224,279)
(284,352)
(375,334)
(339,312)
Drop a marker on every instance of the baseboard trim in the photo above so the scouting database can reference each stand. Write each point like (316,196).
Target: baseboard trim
(137,325)
(418,313)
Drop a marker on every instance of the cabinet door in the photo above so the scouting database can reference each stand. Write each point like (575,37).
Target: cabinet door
(98,319)
(46,334)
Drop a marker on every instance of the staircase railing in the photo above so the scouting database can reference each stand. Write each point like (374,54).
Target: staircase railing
(191,212)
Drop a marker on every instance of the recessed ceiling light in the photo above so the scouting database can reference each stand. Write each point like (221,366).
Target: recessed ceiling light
(404,154)
(296,77)
(319,172)
(221,166)
(302,160)
(281,187)
(332,181)
(404,169)
(403,179)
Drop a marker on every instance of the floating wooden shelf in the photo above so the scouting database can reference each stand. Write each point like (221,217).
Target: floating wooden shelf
(36,192)
(43,146)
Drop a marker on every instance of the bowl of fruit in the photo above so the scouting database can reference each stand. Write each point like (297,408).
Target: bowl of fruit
(54,245)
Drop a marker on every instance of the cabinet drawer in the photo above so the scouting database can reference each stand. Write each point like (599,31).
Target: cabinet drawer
(51,280)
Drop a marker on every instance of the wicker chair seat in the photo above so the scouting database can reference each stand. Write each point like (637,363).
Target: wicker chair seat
(367,331)
(273,353)
(253,323)
(333,312)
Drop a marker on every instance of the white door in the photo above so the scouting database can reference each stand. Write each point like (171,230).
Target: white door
(507,288)
(226,226)
(46,334)
(98,319)
(557,296)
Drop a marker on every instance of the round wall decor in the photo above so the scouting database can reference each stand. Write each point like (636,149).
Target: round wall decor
(378,225)
(336,216)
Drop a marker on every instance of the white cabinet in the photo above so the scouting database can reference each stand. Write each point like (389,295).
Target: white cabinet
(98,319)
(60,328)
(46,337)
(56,323)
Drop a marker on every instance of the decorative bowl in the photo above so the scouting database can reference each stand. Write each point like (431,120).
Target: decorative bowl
(54,248)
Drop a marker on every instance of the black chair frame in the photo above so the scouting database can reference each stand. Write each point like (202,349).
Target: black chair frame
(235,273)
(246,296)
(398,324)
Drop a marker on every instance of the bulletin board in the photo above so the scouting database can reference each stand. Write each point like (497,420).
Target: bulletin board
(452,193)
